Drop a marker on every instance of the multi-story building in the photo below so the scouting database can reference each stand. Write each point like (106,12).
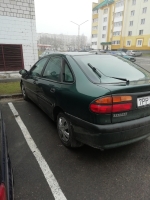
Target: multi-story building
(121,24)
(18,43)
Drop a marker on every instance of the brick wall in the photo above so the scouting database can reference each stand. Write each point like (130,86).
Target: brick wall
(17,26)
(17,8)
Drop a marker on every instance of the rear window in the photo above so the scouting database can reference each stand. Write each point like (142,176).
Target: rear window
(111,66)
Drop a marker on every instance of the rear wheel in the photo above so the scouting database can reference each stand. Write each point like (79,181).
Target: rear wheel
(65,131)
(25,96)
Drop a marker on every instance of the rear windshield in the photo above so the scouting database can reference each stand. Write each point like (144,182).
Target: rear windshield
(111,66)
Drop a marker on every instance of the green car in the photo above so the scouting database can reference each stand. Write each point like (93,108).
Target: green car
(124,55)
(99,100)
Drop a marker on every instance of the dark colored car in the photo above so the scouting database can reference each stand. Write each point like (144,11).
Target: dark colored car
(6,175)
(124,55)
(99,100)
(124,50)
(97,51)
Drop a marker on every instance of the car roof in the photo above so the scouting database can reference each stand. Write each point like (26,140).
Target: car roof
(71,53)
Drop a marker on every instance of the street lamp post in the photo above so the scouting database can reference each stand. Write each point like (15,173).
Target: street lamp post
(78,30)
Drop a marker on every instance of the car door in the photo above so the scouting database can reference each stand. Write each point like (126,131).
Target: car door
(49,85)
(31,81)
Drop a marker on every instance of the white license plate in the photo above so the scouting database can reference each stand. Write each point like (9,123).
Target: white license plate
(143,101)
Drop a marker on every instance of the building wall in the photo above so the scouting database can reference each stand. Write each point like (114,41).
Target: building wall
(17,26)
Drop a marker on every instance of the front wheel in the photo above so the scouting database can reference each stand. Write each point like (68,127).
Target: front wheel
(25,96)
(65,131)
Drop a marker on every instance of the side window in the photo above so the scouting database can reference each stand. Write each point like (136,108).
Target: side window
(53,69)
(68,77)
(38,67)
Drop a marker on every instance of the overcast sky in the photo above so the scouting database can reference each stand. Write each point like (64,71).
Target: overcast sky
(54,16)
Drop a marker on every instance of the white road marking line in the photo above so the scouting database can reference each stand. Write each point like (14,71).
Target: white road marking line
(50,178)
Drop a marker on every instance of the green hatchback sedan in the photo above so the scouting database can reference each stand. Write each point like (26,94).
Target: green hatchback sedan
(99,100)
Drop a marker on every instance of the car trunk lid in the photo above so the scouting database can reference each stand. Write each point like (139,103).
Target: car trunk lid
(140,94)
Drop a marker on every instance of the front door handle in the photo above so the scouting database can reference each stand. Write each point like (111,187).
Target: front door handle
(52,90)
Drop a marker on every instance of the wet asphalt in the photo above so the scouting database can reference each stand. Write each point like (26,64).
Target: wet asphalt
(83,174)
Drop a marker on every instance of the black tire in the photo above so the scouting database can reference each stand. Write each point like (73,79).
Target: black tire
(24,94)
(65,132)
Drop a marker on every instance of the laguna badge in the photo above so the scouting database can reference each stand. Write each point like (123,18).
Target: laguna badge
(120,115)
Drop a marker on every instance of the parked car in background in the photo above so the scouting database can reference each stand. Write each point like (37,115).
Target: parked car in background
(99,100)
(97,51)
(112,52)
(134,53)
(124,50)
(124,55)
(6,175)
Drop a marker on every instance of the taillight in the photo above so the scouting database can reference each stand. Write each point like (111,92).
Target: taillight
(2,192)
(112,104)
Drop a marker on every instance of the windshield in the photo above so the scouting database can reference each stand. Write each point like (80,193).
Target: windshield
(111,66)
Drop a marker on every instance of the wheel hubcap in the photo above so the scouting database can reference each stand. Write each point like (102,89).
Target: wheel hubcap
(23,91)
(63,129)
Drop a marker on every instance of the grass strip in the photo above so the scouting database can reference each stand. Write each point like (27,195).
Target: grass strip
(10,88)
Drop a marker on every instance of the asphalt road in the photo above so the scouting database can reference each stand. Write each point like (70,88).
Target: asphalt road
(83,174)
(143,62)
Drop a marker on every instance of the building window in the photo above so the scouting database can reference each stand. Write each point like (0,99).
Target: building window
(94,27)
(106,11)
(117,24)
(120,3)
(129,33)
(104,28)
(144,10)
(117,33)
(105,19)
(118,14)
(131,23)
(133,2)
(142,21)
(95,12)
(116,42)
(139,42)
(103,35)
(132,12)
(94,35)
(11,57)
(128,43)
(140,32)
(95,20)
(94,43)
(145,1)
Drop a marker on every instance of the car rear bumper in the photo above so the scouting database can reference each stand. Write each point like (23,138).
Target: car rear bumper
(110,135)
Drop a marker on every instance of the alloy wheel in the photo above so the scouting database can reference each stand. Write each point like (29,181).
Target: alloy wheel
(63,129)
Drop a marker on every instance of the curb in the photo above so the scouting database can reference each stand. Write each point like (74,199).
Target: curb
(6,80)
(12,96)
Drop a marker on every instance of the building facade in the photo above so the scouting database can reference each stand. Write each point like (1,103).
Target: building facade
(121,24)
(18,43)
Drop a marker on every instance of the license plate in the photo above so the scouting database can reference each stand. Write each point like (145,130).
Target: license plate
(143,101)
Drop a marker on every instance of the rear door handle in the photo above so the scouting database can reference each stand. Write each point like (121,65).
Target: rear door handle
(52,90)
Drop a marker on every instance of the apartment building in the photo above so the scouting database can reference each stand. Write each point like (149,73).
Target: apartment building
(121,24)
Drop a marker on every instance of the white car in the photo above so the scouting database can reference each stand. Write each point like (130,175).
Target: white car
(133,53)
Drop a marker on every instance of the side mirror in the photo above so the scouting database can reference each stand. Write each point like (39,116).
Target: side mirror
(23,72)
